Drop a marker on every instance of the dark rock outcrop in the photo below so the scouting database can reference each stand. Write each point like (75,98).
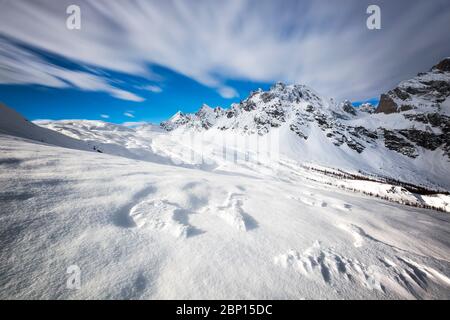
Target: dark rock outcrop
(398,144)
(428,89)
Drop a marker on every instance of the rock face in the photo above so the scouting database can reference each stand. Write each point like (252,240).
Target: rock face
(444,65)
(399,144)
(387,105)
(423,103)
(348,107)
(429,89)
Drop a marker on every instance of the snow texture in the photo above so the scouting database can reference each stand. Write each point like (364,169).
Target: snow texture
(147,214)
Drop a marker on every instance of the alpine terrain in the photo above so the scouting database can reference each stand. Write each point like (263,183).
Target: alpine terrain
(285,195)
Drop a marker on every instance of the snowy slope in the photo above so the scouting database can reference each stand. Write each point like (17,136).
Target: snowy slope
(286,195)
(85,135)
(117,140)
(411,144)
(12,123)
(141,230)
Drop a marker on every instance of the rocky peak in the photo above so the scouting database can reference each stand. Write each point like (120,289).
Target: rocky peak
(425,91)
(367,107)
(294,93)
(177,120)
(302,111)
(348,107)
(443,66)
(204,110)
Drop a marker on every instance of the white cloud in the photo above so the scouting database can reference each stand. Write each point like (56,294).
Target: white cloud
(104,116)
(227,92)
(20,66)
(125,95)
(154,89)
(321,43)
(129,114)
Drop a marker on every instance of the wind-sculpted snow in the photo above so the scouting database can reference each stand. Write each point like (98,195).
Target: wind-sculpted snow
(158,215)
(404,277)
(143,230)
(326,265)
(232,212)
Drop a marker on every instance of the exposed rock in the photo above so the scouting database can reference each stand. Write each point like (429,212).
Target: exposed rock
(424,139)
(427,90)
(444,65)
(386,105)
(348,107)
(301,110)
(398,144)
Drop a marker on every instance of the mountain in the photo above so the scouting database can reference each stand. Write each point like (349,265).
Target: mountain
(411,141)
(350,208)
(85,135)
(204,118)
(424,102)
(428,92)
(367,107)
(143,230)
(109,138)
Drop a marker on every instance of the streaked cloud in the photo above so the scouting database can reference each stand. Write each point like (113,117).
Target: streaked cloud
(128,114)
(20,66)
(104,116)
(320,43)
(152,88)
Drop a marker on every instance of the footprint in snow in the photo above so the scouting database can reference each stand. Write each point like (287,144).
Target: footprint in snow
(312,202)
(159,215)
(342,207)
(357,233)
(233,213)
(326,265)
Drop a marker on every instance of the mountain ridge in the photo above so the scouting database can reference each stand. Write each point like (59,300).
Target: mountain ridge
(412,146)
(426,105)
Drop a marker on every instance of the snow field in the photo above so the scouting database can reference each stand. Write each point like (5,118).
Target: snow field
(142,230)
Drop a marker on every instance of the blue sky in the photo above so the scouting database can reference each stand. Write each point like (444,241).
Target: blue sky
(143,60)
(171,93)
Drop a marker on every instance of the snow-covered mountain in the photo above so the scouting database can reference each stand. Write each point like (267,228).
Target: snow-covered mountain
(118,140)
(412,143)
(428,92)
(352,207)
(424,102)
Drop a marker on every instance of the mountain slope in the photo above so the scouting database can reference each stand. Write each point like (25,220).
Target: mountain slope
(411,144)
(113,139)
(428,92)
(12,123)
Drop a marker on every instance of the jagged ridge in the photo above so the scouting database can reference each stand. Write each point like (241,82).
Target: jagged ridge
(423,101)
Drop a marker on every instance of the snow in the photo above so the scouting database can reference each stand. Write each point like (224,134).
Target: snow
(146,230)
(222,204)
(429,168)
